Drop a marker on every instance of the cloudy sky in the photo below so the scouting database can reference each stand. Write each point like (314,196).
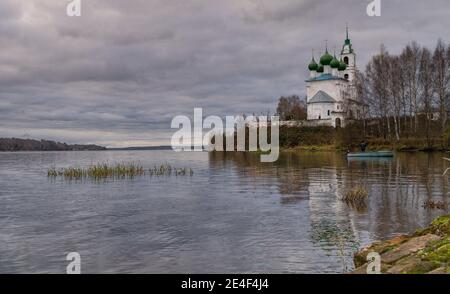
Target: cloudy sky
(118,74)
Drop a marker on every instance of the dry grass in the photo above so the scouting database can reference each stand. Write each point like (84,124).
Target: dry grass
(118,171)
(355,195)
(167,170)
(431,204)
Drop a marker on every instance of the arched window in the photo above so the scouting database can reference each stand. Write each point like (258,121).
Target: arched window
(346,60)
(328,113)
(338,122)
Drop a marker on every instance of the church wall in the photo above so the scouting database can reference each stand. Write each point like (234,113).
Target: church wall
(320,109)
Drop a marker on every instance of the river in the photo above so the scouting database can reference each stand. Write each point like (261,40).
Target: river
(233,215)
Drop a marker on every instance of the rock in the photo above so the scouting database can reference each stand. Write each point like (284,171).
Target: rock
(440,270)
(411,246)
(426,251)
(362,270)
(439,226)
(411,264)
(360,257)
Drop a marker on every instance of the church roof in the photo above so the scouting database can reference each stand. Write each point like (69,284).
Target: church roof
(325,77)
(322,97)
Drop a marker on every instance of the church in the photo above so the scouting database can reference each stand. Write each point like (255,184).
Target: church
(331,95)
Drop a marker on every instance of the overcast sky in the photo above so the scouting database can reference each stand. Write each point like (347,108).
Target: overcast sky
(118,74)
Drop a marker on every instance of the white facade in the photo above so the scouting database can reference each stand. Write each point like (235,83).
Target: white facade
(330,90)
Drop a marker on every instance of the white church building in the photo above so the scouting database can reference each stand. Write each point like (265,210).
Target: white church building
(331,96)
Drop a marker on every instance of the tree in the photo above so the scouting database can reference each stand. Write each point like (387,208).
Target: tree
(395,83)
(405,90)
(378,81)
(362,92)
(291,108)
(426,90)
(441,79)
(411,59)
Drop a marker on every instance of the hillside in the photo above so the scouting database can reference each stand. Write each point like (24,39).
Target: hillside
(14,144)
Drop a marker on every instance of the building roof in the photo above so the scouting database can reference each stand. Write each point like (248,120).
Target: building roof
(321,97)
(325,77)
(326,58)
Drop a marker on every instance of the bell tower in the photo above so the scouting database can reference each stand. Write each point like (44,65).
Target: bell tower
(349,58)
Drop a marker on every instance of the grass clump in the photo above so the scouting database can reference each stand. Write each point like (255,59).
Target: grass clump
(98,171)
(118,171)
(167,170)
(432,204)
(355,195)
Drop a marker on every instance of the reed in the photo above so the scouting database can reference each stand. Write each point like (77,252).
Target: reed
(432,204)
(120,170)
(357,194)
(167,170)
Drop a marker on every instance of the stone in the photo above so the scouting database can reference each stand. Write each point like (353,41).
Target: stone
(440,271)
(411,264)
(362,270)
(411,246)
(378,246)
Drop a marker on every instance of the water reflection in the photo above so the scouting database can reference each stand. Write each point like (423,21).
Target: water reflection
(397,190)
(234,215)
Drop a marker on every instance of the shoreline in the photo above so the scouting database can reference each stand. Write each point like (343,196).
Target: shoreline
(318,148)
(427,251)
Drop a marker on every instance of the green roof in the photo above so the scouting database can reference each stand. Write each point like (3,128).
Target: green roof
(326,58)
(320,68)
(342,65)
(313,65)
(334,63)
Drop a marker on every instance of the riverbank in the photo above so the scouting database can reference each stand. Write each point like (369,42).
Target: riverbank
(330,139)
(425,251)
(372,146)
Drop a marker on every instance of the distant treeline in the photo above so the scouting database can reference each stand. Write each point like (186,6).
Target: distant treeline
(14,144)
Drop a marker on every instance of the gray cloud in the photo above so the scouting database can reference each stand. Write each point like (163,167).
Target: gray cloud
(120,72)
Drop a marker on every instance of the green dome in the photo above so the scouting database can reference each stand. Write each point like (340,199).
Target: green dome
(342,65)
(313,65)
(335,63)
(320,68)
(326,58)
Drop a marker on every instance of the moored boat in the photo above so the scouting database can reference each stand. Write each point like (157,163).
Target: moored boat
(371,154)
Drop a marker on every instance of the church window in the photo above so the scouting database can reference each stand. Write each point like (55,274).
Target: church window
(346,76)
(328,113)
(346,60)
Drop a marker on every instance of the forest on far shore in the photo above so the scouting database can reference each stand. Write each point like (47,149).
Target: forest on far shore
(14,144)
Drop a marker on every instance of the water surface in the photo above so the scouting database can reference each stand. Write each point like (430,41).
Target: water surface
(234,215)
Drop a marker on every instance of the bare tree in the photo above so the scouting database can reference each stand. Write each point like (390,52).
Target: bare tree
(378,80)
(291,108)
(362,92)
(411,60)
(405,90)
(426,90)
(441,79)
(395,83)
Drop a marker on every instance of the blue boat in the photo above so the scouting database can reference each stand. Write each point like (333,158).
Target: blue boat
(371,154)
